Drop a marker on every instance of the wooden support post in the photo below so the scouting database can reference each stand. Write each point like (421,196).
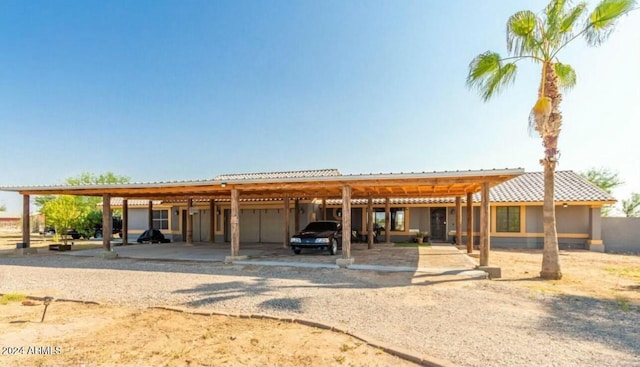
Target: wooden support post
(125,222)
(469,222)
(370,219)
(212,209)
(323,215)
(346,222)
(485,241)
(189,221)
(285,222)
(26,221)
(387,221)
(458,221)
(235,222)
(296,220)
(150,214)
(106,222)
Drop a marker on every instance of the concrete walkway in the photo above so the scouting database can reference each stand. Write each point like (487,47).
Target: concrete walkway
(437,259)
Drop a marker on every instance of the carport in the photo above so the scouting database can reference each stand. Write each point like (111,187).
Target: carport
(285,187)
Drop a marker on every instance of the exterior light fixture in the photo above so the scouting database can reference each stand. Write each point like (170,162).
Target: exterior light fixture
(224,184)
(565,205)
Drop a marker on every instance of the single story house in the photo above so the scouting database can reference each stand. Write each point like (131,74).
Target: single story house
(515,213)
(503,205)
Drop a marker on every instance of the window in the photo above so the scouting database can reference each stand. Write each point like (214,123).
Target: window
(397,218)
(508,219)
(160,219)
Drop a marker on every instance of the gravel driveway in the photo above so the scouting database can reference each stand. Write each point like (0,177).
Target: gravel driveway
(468,322)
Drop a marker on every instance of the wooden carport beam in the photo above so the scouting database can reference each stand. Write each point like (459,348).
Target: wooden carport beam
(458,221)
(285,222)
(387,220)
(323,215)
(485,240)
(106,222)
(125,222)
(212,209)
(189,221)
(346,222)
(26,216)
(150,206)
(370,223)
(296,216)
(469,222)
(235,222)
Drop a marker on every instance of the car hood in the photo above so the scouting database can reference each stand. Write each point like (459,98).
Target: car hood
(315,234)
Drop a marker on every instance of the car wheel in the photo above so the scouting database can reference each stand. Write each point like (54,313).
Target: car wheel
(333,249)
(98,235)
(296,250)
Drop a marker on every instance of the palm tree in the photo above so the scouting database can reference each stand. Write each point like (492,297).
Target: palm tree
(541,38)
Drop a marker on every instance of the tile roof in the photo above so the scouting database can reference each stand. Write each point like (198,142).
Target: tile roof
(569,186)
(277,175)
(132,202)
(529,187)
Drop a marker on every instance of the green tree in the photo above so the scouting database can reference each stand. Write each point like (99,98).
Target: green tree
(87,178)
(63,213)
(91,215)
(3,208)
(540,38)
(631,207)
(604,179)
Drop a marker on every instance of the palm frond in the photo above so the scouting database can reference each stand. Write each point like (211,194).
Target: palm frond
(601,21)
(569,20)
(566,75)
(554,12)
(488,74)
(521,33)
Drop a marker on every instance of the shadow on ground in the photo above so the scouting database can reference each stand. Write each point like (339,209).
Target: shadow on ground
(595,320)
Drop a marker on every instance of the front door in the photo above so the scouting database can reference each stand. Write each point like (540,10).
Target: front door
(438,224)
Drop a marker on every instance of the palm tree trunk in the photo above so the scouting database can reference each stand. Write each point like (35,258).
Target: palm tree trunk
(550,132)
(550,253)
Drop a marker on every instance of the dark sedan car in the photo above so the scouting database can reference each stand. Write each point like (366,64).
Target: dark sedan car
(325,235)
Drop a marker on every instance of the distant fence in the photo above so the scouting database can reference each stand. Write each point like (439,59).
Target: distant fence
(621,234)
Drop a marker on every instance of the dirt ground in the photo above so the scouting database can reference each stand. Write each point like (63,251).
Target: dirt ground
(85,334)
(8,242)
(585,273)
(104,335)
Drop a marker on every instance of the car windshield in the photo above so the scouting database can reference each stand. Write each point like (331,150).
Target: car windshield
(321,226)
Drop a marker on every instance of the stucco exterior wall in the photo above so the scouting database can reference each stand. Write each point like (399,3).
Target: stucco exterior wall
(419,219)
(534,219)
(175,218)
(572,219)
(621,234)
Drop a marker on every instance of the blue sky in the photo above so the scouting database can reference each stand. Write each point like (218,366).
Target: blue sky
(173,90)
